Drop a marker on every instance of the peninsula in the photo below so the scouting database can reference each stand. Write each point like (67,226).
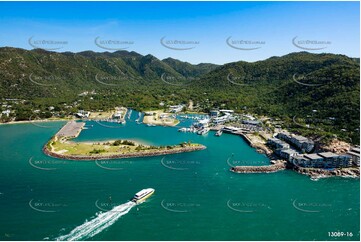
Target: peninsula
(61,146)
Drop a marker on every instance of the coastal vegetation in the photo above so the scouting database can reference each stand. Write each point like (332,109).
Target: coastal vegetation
(123,142)
(314,95)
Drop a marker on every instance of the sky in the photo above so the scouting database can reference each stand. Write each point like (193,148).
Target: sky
(196,32)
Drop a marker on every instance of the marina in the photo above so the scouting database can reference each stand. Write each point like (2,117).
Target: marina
(180,121)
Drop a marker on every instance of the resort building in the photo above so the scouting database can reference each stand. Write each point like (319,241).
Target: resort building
(214,113)
(250,117)
(251,122)
(118,115)
(277,143)
(6,112)
(82,114)
(333,160)
(230,129)
(176,108)
(226,111)
(222,119)
(325,160)
(314,160)
(301,160)
(298,141)
(354,152)
(286,154)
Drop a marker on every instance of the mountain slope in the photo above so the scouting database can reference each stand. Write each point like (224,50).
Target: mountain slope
(189,70)
(313,93)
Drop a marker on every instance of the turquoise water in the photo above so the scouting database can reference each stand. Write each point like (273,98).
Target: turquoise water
(196,198)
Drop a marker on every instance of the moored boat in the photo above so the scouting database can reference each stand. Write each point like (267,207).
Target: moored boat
(219,133)
(203,131)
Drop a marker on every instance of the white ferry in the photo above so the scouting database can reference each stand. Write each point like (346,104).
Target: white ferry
(142,195)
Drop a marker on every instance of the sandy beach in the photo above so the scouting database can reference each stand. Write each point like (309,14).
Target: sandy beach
(36,121)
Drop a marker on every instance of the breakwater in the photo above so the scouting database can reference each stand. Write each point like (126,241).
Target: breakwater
(276,165)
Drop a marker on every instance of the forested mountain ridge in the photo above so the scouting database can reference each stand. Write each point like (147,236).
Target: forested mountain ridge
(313,92)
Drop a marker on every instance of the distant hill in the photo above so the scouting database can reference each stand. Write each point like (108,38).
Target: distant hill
(188,70)
(315,94)
(20,69)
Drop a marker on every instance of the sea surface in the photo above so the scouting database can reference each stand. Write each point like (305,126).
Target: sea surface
(196,196)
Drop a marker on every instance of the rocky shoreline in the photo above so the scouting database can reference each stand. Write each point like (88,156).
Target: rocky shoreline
(313,173)
(120,156)
(316,173)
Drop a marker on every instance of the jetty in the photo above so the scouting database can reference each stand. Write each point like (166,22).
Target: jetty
(277,165)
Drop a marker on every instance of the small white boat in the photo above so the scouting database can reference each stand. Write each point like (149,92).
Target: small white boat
(219,133)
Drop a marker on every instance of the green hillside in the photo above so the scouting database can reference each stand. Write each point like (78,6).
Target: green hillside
(314,94)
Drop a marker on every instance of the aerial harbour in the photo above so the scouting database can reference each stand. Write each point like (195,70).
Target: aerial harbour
(180,121)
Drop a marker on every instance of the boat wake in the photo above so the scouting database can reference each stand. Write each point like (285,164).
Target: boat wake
(98,224)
